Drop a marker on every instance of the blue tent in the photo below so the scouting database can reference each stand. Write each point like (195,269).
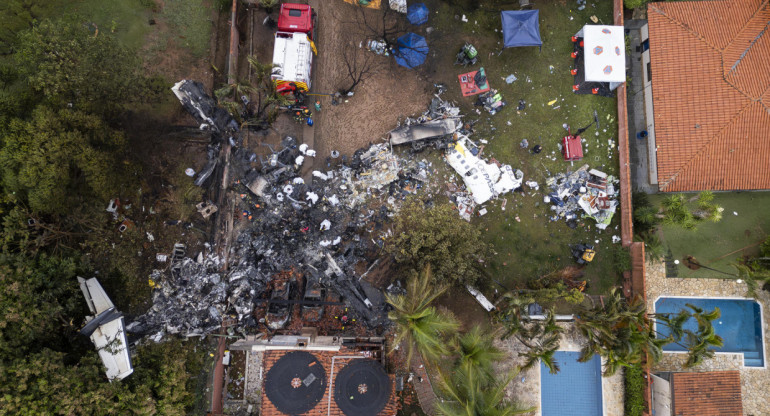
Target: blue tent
(521,28)
(417,13)
(412,50)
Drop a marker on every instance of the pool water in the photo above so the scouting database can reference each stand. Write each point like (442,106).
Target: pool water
(576,390)
(740,325)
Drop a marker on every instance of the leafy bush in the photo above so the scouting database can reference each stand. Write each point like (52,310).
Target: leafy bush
(765,248)
(439,237)
(634,383)
(632,4)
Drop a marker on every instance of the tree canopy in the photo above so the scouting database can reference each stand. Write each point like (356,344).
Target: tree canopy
(439,237)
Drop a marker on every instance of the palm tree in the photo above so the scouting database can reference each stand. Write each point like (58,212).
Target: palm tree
(418,325)
(260,89)
(754,278)
(542,350)
(470,396)
(477,353)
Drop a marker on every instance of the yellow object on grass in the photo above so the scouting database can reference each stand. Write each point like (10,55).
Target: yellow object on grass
(552,102)
(374,4)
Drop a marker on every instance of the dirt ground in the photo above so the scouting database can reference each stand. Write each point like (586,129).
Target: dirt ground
(391,94)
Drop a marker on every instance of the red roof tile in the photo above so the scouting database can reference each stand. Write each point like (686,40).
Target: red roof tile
(711,87)
(716,393)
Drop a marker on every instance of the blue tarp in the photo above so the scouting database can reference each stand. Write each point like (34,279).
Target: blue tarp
(417,13)
(412,50)
(521,28)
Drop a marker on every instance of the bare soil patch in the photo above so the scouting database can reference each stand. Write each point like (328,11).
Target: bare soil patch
(393,93)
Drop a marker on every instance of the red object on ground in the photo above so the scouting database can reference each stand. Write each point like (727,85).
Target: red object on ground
(296,18)
(573,71)
(575,87)
(468,85)
(574,55)
(594,91)
(572,148)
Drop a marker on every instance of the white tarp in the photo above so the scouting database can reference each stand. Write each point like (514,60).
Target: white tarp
(484,180)
(605,53)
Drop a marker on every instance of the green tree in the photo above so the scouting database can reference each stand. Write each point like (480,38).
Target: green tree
(477,353)
(439,237)
(420,326)
(623,333)
(70,66)
(18,15)
(470,395)
(38,300)
(264,101)
(60,159)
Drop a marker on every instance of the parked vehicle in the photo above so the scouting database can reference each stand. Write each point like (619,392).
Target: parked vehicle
(294,48)
(278,313)
(314,292)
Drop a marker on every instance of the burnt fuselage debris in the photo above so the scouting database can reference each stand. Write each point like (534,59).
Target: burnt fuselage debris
(320,228)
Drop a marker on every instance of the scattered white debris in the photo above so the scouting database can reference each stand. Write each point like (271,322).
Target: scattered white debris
(615,239)
(320,175)
(312,197)
(325,225)
(298,181)
(150,237)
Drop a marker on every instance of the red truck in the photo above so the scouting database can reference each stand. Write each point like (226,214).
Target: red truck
(294,48)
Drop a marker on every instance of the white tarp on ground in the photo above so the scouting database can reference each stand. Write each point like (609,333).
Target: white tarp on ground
(605,53)
(109,337)
(484,180)
(398,5)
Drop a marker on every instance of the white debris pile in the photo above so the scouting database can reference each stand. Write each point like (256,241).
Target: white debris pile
(484,180)
(590,191)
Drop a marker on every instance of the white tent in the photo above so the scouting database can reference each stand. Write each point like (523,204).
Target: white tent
(605,54)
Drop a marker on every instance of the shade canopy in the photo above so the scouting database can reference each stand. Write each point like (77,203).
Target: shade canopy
(412,50)
(417,13)
(605,53)
(521,28)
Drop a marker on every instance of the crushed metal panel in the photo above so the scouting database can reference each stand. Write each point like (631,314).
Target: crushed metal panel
(109,337)
(429,130)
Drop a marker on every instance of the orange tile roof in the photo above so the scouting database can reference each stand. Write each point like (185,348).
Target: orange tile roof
(324,407)
(710,64)
(716,393)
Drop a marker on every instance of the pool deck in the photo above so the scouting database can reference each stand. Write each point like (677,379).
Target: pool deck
(755,382)
(528,391)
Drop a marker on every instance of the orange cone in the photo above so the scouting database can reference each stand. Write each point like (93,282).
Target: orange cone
(573,71)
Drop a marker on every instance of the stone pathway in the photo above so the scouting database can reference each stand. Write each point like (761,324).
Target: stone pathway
(755,382)
(423,386)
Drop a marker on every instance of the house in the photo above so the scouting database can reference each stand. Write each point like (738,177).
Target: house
(323,375)
(697,394)
(707,94)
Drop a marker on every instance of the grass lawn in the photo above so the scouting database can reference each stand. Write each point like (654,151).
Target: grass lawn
(535,246)
(127,19)
(718,245)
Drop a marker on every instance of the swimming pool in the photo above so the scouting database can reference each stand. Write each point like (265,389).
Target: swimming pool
(740,325)
(575,390)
